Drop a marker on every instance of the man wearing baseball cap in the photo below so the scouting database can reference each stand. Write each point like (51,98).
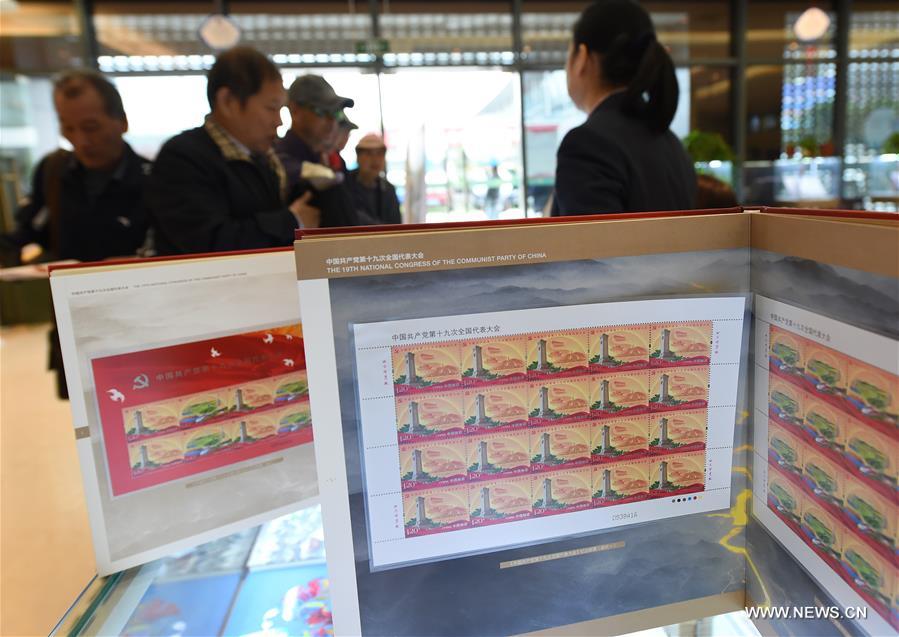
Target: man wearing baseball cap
(220,186)
(315,113)
(344,127)
(374,197)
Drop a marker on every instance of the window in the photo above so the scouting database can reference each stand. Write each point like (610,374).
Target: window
(362,88)
(151,121)
(873,31)
(873,107)
(454,142)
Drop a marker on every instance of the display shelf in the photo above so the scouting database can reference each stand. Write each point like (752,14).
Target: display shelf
(270,580)
(721,170)
(873,181)
(810,182)
(868,183)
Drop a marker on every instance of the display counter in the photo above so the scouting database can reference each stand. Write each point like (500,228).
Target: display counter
(721,170)
(874,181)
(794,183)
(550,463)
(868,183)
(270,580)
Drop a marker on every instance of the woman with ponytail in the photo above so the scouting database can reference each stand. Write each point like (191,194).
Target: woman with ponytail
(623,158)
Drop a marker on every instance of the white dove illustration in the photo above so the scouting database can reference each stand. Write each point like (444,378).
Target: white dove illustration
(289,337)
(115,395)
(214,353)
(288,362)
(268,338)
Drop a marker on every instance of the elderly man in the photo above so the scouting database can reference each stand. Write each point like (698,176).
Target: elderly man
(344,127)
(316,112)
(221,186)
(86,204)
(374,197)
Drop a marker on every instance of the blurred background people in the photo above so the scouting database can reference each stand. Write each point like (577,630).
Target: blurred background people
(344,127)
(374,197)
(491,199)
(624,157)
(221,186)
(87,203)
(314,112)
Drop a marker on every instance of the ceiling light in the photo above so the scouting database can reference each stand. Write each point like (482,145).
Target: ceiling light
(219,32)
(811,25)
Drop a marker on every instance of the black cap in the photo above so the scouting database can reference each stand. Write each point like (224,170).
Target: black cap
(314,91)
(345,122)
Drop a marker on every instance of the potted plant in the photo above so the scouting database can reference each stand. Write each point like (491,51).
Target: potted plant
(891,145)
(711,154)
(706,147)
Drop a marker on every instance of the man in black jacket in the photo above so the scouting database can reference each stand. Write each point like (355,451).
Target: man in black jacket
(315,115)
(221,186)
(375,197)
(86,204)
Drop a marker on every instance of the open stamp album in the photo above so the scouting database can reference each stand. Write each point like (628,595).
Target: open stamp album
(556,424)
(189,397)
(581,426)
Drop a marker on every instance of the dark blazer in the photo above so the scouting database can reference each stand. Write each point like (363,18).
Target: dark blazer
(202,202)
(293,151)
(374,206)
(111,222)
(614,163)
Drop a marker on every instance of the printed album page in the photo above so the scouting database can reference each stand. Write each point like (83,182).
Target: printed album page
(602,415)
(189,398)
(825,428)
(826,413)
(504,414)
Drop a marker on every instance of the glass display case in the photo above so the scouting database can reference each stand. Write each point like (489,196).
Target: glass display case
(868,183)
(809,183)
(269,581)
(453,142)
(873,182)
(721,170)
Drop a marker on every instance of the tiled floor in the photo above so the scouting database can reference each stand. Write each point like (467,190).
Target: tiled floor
(46,556)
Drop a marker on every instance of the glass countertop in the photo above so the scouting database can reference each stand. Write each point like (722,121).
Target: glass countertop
(268,581)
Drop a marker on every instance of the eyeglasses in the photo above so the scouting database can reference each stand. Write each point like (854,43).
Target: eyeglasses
(371,151)
(319,111)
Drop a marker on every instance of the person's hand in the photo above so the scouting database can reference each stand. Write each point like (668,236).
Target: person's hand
(308,216)
(319,176)
(30,252)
